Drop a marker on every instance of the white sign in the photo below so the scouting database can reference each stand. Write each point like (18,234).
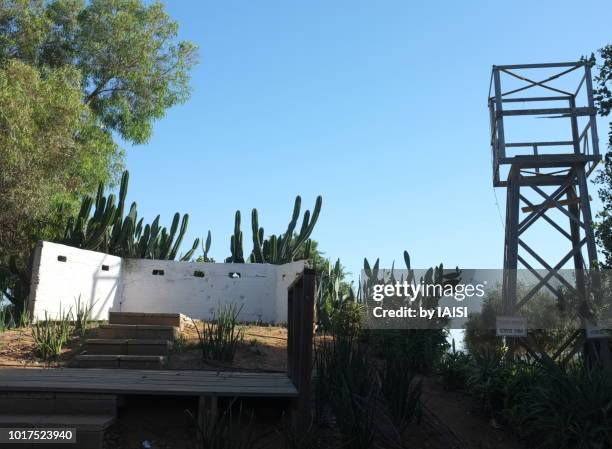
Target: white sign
(599,330)
(511,326)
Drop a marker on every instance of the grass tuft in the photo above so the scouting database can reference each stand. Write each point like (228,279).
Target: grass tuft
(220,337)
(82,317)
(50,336)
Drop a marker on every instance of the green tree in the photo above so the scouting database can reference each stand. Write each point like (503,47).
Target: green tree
(51,150)
(603,99)
(74,75)
(132,66)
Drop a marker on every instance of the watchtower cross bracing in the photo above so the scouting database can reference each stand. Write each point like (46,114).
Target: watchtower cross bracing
(544,146)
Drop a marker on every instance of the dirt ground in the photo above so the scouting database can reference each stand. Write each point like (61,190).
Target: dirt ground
(17,350)
(262,349)
(460,413)
(451,420)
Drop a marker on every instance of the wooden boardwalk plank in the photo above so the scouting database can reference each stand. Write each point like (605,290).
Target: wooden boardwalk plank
(150,382)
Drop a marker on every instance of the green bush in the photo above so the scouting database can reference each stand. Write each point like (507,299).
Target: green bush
(402,392)
(346,319)
(455,368)
(568,408)
(345,381)
(421,348)
(490,380)
(551,406)
(352,398)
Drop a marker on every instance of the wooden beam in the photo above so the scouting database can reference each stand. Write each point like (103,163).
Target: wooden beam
(540,66)
(548,160)
(539,144)
(581,111)
(525,99)
(552,206)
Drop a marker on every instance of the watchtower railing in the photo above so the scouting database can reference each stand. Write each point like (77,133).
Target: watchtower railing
(575,95)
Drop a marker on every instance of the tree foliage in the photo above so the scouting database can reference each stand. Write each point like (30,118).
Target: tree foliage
(74,74)
(131,64)
(50,150)
(603,99)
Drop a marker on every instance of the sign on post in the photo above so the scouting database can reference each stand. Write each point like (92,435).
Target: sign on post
(598,330)
(511,326)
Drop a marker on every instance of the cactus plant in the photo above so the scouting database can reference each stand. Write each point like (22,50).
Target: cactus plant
(107,230)
(236,242)
(205,249)
(283,248)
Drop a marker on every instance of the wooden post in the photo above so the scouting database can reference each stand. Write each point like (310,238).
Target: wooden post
(301,295)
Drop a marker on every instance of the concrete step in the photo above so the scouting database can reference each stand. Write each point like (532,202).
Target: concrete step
(137,331)
(127,346)
(89,429)
(58,403)
(119,361)
(156,319)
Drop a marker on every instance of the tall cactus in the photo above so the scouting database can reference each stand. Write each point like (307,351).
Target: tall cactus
(107,230)
(277,249)
(205,249)
(236,242)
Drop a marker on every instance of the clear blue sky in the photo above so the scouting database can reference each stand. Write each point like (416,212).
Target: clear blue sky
(378,106)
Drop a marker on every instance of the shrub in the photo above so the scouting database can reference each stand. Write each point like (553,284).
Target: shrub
(401,391)
(228,431)
(502,384)
(348,382)
(346,319)
(489,379)
(6,318)
(345,381)
(422,348)
(220,337)
(455,369)
(50,336)
(568,408)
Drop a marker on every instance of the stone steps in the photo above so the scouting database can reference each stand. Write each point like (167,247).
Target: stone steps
(110,346)
(89,428)
(119,361)
(156,319)
(132,341)
(137,331)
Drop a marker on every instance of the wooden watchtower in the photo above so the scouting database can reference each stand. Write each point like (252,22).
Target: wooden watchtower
(544,146)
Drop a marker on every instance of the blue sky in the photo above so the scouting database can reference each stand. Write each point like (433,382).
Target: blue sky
(378,106)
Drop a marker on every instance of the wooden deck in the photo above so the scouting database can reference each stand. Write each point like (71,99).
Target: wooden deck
(148,382)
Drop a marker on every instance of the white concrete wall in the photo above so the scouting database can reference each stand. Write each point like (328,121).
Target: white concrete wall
(131,286)
(56,286)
